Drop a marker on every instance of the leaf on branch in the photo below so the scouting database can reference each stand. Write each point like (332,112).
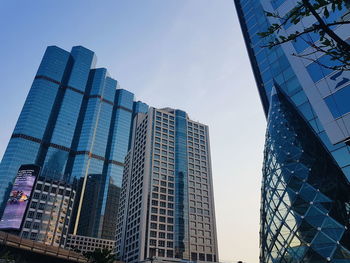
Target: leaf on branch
(326,13)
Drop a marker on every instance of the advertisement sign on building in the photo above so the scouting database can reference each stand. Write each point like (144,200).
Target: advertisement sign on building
(19,197)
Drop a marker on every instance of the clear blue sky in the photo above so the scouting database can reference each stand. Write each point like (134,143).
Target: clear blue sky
(187,54)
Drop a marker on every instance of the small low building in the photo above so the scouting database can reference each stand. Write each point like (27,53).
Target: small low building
(48,216)
(39,206)
(88,244)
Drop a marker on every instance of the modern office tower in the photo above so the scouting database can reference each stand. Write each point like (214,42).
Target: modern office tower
(305,194)
(75,123)
(85,244)
(48,216)
(166,203)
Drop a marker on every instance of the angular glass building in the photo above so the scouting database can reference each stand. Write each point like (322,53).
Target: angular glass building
(75,123)
(306,172)
(305,195)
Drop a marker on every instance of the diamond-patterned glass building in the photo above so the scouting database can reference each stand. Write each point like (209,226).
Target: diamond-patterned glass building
(305,209)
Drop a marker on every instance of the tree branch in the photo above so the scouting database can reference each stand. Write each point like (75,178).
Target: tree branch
(324,26)
(297,34)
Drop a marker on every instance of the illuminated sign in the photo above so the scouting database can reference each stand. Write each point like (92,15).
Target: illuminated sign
(19,197)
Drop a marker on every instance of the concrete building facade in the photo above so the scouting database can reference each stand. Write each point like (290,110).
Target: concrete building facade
(167,206)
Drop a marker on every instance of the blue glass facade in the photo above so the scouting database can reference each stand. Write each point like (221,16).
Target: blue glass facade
(272,66)
(305,195)
(75,123)
(181,186)
(302,84)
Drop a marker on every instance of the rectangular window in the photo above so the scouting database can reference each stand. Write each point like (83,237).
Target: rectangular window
(338,102)
(318,72)
(30,214)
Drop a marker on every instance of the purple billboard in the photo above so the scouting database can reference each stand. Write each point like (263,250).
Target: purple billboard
(19,198)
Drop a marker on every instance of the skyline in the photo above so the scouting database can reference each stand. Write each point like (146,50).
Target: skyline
(206,68)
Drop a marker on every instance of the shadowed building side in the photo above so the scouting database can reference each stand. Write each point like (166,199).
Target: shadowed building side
(305,212)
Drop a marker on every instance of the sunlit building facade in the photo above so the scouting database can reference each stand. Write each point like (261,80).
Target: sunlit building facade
(75,123)
(84,244)
(49,212)
(166,204)
(305,192)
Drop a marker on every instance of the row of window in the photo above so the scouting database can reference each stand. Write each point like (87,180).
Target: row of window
(199,204)
(196,146)
(46,188)
(199,225)
(197,178)
(195,142)
(197,161)
(163,177)
(199,211)
(199,198)
(163,227)
(199,185)
(28,224)
(193,151)
(164,158)
(163,165)
(197,172)
(153,252)
(162,204)
(163,197)
(165,125)
(33,235)
(164,152)
(162,190)
(164,183)
(195,133)
(197,167)
(203,257)
(161,243)
(163,235)
(164,136)
(200,232)
(162,219)
(164,141)
(164,130)
(164,147)
(166,122)
(89,247)
(198,192)
(194,125)
(201,248)
(164,115)
(162,211)
(81,240)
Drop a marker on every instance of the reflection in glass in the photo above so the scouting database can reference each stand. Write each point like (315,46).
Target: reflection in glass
(305,195)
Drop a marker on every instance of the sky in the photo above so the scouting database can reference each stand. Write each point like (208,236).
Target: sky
(185,54)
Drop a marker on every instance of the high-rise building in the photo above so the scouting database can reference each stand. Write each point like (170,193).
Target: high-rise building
(75,123)
(166,203)
(305,215)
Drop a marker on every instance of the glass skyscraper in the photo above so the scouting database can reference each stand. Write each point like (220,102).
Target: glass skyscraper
(166,204)
(305,205)
(75,123)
